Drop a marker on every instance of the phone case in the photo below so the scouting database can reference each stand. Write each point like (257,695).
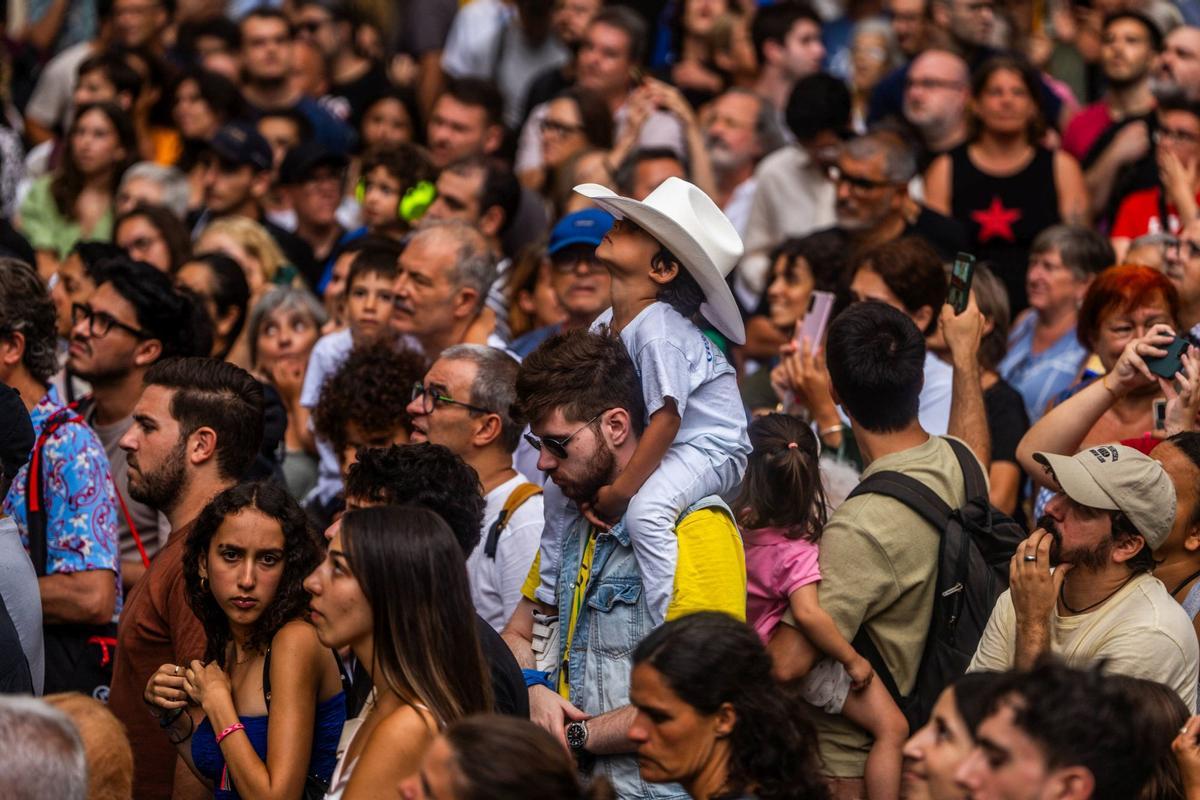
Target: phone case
(816,319)
(1168,365)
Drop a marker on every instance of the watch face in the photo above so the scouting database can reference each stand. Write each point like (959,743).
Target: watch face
(576,735)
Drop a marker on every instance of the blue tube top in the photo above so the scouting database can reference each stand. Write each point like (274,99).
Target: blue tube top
(327,729)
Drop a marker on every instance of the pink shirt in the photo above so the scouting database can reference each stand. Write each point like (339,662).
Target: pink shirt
(776,566)
(1085,128)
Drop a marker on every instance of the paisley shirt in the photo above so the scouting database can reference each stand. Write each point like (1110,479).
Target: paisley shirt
(81,503)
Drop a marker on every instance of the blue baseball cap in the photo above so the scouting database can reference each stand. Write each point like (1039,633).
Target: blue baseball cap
(582,227)
(240,143)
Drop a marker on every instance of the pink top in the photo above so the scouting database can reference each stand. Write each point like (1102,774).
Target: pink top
(776,566)
(1085,128)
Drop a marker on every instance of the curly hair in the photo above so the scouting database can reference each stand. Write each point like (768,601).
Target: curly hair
(26,308)
(372,388)
(426,475)
(709,659)
(302,553)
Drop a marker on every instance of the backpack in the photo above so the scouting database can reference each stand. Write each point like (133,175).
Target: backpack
(973,558)
(515,500)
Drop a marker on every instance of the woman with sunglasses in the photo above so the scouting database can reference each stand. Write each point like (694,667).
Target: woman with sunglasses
(1003,185)
(572,124)
(393,588)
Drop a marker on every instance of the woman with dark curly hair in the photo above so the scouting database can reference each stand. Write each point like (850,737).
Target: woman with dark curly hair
(711,718)
(244,569)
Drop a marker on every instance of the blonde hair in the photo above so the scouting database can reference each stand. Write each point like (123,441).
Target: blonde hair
(255,240)
(105,744)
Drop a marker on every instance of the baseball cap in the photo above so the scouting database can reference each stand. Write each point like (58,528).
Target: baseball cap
(240,143)
(305,157)
(16,434)
(582,227)
(1118,478)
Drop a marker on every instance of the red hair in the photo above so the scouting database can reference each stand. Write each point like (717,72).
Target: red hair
(1122,288)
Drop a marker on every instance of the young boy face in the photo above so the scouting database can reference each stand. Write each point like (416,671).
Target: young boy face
(627,249)
(356,437)
(381,199)
(370,302)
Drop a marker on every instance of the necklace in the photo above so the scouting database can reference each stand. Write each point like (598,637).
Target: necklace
(1062,597)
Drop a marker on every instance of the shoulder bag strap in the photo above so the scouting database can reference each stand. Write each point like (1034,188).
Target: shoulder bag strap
(515,500)
(973,477)
(909,491)
(267,679)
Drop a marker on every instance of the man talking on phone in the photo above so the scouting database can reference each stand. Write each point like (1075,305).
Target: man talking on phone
(1081,585)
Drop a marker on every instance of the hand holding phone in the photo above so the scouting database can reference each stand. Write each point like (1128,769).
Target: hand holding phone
(816,319)
(961,277)
(1166,366)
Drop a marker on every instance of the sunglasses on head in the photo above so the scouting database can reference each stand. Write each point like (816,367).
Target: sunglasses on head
(557,445)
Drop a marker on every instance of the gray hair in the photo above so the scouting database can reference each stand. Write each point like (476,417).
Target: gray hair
(875,26)
(282,298)
(767,128)
(474,266)
(173,182)
(43,755)
(899,160)
(494,387)
(1081,249)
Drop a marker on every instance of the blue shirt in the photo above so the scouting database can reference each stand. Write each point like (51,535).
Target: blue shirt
(80,500)
(1040,377)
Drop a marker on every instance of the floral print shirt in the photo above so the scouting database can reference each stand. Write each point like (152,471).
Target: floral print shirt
(81,503)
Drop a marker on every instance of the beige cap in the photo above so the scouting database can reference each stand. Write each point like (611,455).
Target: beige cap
(1118,478)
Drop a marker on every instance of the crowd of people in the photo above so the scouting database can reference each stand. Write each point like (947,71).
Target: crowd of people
(576,399)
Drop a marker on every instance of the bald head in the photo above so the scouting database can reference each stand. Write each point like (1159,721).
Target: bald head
(935,96)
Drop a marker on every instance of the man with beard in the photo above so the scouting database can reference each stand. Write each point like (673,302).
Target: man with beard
(1115,130)
(1179,67)
(872,203)
(743,128)
(584,402)
(935,102)
(132,319)
(196,429)
(1081,584)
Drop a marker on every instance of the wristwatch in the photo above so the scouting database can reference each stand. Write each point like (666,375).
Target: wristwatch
(577,736)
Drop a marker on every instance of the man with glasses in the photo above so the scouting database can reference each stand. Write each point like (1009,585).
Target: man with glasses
(1176,151)
(466,404)
(1182,266)
(584,402)
(132,319)
(872,202)
(581,284)
(79,583)
(935,102)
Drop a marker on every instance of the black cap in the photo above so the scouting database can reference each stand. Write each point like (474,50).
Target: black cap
(305,157)
(240,143)
(16,432)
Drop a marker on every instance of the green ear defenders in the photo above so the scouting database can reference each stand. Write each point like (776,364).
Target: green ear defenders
(413,205)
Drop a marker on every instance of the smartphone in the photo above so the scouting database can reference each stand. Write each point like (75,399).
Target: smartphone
(1160,414)
(1172,362)
(961,276)
(816,318)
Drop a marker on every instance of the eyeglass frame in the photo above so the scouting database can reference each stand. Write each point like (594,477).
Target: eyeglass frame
(431,397)
(1174,134)
(553,442)
(856,183)
(81,311)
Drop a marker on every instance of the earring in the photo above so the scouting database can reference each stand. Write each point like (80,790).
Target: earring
(203,584)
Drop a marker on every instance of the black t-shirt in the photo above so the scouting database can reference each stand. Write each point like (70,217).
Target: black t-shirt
(358,93)
(1007,424)
(14,669)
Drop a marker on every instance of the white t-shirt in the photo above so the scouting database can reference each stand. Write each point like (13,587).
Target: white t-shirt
(1141,631)
(471,44)
(675,359)
(936,393)
(329,353)
(50,103)
(496,582)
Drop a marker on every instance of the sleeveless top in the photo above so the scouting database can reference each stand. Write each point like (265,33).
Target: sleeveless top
(1003,215)
(327,727)
(345,767)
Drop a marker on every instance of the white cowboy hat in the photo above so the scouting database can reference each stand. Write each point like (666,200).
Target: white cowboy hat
(688,223)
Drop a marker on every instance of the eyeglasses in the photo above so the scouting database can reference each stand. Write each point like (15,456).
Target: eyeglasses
(1183,137)
(430,397)
(560,128)
(311,26)
(933,83)
(101,322)
(855,182)
(557,446)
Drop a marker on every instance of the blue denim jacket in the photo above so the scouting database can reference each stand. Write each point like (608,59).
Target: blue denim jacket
(614,618)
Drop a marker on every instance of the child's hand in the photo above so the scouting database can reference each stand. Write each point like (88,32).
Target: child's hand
(606,509)
(861,673)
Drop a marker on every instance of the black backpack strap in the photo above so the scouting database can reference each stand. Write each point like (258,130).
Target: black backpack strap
(973,477)
(865,647)
(909,491)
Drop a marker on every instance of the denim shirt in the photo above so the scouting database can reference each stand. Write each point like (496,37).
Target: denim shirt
(612,622)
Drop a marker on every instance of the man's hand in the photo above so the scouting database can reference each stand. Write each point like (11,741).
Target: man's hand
(963,332)
(549,710)
(1034,591)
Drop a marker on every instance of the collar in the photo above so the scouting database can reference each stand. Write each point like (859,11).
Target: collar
(47,406)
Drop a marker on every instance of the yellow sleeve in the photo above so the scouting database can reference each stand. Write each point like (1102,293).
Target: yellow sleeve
(533,579)
(710,574)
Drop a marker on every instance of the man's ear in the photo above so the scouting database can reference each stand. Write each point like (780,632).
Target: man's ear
(488,430)
(939,12)
(491,221)
(1191,538)
(261,184)
(201,446)
(922,317)
(1072,783)
(466,303)
(1126,547)
(493,138)
(772,52)
(12,349)
(147,352)
(616,427)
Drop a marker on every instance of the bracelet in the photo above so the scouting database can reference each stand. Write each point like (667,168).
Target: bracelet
(167,720)
(838,428)
(181,739)
(237,726)
(535,677)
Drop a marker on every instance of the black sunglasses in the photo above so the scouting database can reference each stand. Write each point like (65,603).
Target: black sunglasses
(557,446)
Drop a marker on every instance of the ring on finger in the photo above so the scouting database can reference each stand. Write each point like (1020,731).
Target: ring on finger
(1031,558)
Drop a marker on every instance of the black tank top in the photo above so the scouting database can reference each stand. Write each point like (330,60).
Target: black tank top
(1003,215)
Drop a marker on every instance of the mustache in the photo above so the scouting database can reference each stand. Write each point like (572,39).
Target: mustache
(1047,523)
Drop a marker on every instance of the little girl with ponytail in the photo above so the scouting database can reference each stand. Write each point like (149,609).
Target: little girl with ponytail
(781,511)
